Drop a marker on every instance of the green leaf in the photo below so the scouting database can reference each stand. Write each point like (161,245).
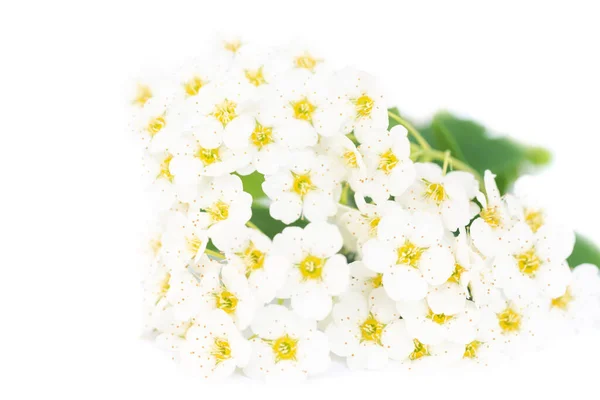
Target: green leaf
(253,184)
(472,143)
(585,252)
(269,225)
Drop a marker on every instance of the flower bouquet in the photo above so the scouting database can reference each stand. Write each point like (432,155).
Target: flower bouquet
(299,216)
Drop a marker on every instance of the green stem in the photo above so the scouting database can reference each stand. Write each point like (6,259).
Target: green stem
(344,195)
(252,225)
(411,129)
(214,254)
(455,163)
(446,161)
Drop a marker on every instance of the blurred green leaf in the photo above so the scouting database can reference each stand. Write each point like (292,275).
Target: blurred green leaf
(584,252)
(472,143)
(253,184)
(267,224)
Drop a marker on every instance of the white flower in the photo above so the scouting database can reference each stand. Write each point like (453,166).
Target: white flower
(265,146)
(367,332)
(156,284)
(450,297)
(213,347)
(183,242)
(410,254)
(489,232)
(254,70)
(390,170)
(195,76)
(365,103)
(227,289)
(533,264)
(162,183)
(318,272)
(300,58)
(306,187)
(448,195)
(362,223)
(286,346)
(517,325)
(301,105)
(222,206)
(345,157)
(253,254)
(158,122)
(362,279)
(580,302)
(434,327)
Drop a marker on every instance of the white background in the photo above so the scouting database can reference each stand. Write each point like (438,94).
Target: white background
(72,206)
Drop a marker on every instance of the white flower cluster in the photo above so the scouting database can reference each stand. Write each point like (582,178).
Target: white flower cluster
(442,269)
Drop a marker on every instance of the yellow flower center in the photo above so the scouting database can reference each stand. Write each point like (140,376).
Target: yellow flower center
(193,85)
(164,169)
(388,161)
(409,254)
(439,319)
(509,320)
(364,106)
(563,301)
(302,184)
(193,244)
(303,109)
(285,348)
(435,192)
(377,281)
(155,125)
(528,262)
(225,112)
(311,267)
(350,159)
(491,216)
(306,61)
(471,349)
(534,218)
(373,224)
(420,350)
(155,245)
(219,211)
(142,95)
(456,274)
(255,77)
(261,136)
(232,46)
(165,285)
(208,156)
(226,301)
(221,350)
(253,258)
(371,330)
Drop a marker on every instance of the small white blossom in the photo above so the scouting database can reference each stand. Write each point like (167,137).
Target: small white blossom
(532,264)
(286,346)
(183,242)
(362,222)
(305,187)
(364,102)
(213,347)
(410,254)
(390,171)
(222,206)
(448,195)
(227,289)
(317,272)
(368,332)
(253,254)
